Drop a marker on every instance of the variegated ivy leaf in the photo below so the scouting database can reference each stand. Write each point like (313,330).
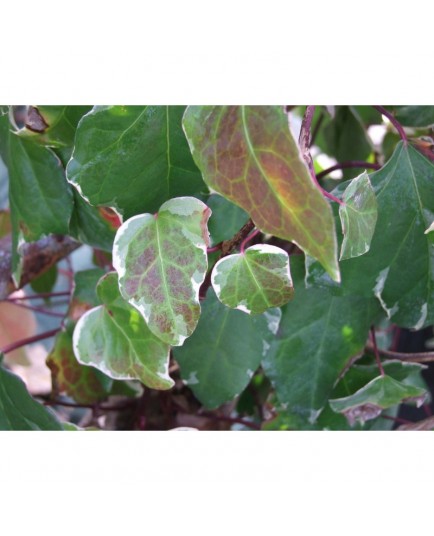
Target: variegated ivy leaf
(115,339)
(358,217)
(381,393)
(255,280)
(161,261)
(248,155)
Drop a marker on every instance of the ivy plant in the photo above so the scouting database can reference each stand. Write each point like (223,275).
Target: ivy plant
(231,281)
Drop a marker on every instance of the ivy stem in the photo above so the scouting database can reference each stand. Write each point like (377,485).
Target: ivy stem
(37,296)
(116,407)
(377,355)
(417,357)
(29,340)
(215,248)
(346,165)
(304,142)
(394,122)
(233,420)
(396,419)
(38,309)
(248,239)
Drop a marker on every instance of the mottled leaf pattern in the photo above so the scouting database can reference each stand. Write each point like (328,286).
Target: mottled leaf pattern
(114,338)
(358,217)
(381,393)
(219,359)
(248,154)
(133,158)
(255,280)
(18,410)
(161,261)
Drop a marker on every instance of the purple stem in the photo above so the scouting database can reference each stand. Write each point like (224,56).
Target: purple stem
(394,122)
(38,309)
(377,355)
(29,340)
(248,238)
(38,296)
(348,164)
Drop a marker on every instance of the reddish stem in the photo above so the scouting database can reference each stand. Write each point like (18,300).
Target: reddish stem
(396,419)
(38,296)
(215,248)
(346,165)
(394,122)
(38,309)
(377,355)
(248,239)
(233,420)
(29,340)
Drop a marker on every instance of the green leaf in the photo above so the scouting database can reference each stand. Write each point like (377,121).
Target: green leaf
(218,361)
(161,261)
(226,218)
(114,338)
(358,217)
(133,158)
(46,281)
(381,393)
(255,280)
(84,296)
(318,334)
(414,116)
(53,126)
(84,384)
(18,410)
(248,155)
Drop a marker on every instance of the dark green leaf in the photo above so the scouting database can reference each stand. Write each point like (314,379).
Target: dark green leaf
(219,359)
(318,334)
(226,218)
(18,410)
(133,158)
(46,281)
(255,280)
(161,261)
(414,116)
(114,338)
(248,154)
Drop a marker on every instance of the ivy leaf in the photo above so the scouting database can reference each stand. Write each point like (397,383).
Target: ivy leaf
(84,384)
(255,280)
(18,410)
(161,261)
(133,158)
(318,334)
(226,218)
(53,126)
(84,296)
(248,155)
(114,338)
(216,362)
(381,393)
(46,281)
(414,116)
(358,217)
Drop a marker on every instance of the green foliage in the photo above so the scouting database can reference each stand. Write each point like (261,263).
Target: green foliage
(155,186)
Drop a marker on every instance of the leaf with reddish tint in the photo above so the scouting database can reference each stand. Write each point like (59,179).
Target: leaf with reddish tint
(86,385)
(255,280)
(5,223)
(115,339)
(358,217)
(248,155)
(161,261)
(381,393)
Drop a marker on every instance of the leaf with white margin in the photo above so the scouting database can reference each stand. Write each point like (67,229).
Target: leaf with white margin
(218,361)
(255,280)
(115,339)
(381,393)
(358,217)
(161,260)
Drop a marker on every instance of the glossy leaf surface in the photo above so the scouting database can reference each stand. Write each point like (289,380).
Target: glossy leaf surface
(300,363)
(133,158)
(381,393)
(18,410)
(114,338)
(161,261)
(358,217)
(247,154)
(255,280)
(227,218)
(216,362)
(414,116)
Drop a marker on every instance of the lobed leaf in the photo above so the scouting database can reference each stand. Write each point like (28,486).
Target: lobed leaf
(18,410)
(380,393)
(358,217)
(218,361)
(114,338)
(255,280)
(133,158)
(161,261)
(248,155)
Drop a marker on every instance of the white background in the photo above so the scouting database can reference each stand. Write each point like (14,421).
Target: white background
(198,52)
